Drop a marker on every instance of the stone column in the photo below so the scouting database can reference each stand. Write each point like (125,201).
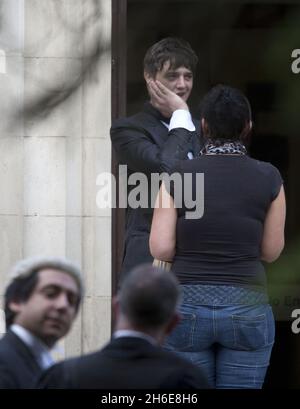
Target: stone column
(55,161)
(11,139)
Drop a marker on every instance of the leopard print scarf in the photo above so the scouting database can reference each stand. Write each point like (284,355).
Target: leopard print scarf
(216,147)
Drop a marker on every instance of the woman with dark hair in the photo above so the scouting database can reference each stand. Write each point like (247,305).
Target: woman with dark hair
(227,324)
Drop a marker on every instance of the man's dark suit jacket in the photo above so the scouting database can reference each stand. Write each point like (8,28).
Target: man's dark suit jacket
(144,144)
(125,363)
(18,367)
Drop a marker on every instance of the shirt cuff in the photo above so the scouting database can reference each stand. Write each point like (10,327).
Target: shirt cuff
(181,118)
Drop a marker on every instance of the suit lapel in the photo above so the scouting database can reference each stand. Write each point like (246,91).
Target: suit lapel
(153,124)
(22,350)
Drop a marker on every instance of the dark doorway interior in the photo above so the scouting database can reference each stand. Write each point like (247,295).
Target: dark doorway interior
(246,44)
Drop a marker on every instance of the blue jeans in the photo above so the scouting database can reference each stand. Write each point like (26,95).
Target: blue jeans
(228,332)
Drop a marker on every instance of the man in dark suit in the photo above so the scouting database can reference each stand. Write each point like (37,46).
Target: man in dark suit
(148,142)
(41,302)
(145,313)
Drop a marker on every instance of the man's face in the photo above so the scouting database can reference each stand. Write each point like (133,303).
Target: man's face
(51,308)
(179,81)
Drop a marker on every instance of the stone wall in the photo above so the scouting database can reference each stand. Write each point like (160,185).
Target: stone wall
(50,159)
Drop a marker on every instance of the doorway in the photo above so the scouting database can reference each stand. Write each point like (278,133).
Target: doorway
(246,44)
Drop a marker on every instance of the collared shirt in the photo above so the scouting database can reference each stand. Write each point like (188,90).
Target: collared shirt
(136,334)
(181,118)
(37,347)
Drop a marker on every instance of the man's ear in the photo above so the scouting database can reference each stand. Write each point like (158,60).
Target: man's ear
(15,306)
(116,306)
(147,76)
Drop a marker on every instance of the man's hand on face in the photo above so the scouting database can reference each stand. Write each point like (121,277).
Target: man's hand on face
(164,100)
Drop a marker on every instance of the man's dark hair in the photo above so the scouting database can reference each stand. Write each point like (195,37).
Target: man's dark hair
(18,290)
(177,51)
(24,278)
(226,111)
(149,296)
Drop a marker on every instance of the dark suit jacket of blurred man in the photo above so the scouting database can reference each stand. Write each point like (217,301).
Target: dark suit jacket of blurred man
(18,367)
(127,362)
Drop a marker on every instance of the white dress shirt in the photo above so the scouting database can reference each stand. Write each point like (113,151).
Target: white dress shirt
(181,118)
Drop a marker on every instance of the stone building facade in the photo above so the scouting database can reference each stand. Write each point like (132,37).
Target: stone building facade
(50,158)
